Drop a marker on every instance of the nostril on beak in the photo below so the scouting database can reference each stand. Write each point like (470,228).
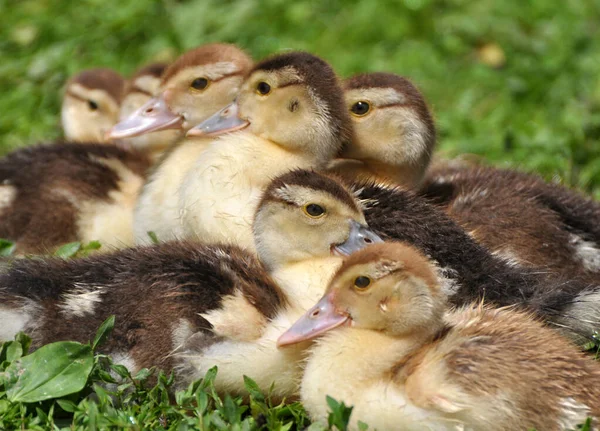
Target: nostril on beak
(368,240)
(315,313)
(149,110)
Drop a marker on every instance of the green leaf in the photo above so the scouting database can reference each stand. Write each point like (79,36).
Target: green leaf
(121,370)
(14,351)
(66,405)
(153,237)
(103,332)
(340,414)
(7,247)
(25,341)
(142,374)
(253,389)
(52,371)
(68,250)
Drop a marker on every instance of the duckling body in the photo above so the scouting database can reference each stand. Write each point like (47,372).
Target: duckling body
(91,105)
(220,194)
(195,86)
(522,218)
(291,110)
(472,272)
(389,347)
(58,193)
(158,295)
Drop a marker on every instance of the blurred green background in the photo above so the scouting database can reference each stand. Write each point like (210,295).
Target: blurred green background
(517,82)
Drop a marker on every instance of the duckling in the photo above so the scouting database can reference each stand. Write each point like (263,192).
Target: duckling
(394,131)
(195,86)
(472,272)
(91,105)
(522,218)
(64,192)
(387,349)
(189,305)
(289,114)
(140,89)
(528,232)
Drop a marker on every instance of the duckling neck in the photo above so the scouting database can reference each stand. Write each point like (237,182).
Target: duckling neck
(304,282)
(157,152)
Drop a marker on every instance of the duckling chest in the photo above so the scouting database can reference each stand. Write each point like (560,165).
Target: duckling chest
(354,370)
(219,195)
(158,205)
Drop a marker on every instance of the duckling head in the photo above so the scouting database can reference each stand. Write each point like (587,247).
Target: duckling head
(195,86)
(305,215)
(140,89)
(388,287)
(293,100)
(91,105)
(393,126)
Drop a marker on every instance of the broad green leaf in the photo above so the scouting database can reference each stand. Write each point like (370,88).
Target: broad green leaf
(52,371)
(68,250)
(103,331)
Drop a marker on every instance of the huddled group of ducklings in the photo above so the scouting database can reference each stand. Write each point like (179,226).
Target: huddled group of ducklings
(304,241)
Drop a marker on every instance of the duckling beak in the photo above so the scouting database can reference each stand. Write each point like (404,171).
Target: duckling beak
(321,318)
(360,237)
(224,121)
(153,116)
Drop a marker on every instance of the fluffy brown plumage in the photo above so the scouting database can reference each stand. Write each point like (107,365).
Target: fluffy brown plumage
(157,294)
(522,218)
(47,189)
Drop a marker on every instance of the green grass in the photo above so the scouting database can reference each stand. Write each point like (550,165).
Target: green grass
(538,110)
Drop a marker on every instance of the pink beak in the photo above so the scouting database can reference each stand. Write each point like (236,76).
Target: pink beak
(153,116)
(316,321)
(224,121)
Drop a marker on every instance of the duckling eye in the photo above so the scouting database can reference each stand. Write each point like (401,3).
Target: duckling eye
(362,282)
(92,105)
(199,84)
(360,108)
(263,88)
(314,210)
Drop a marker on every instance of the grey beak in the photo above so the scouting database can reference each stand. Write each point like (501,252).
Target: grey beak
(360,237)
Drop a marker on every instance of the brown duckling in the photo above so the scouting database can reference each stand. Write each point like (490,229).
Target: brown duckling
(59,193)
(289,114)
(91,105)
(64,192)
(387,349)
(472,272)
(192,306)
(521,218)
(195,86)
(394,131)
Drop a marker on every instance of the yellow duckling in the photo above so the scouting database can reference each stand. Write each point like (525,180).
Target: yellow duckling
(388,349)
